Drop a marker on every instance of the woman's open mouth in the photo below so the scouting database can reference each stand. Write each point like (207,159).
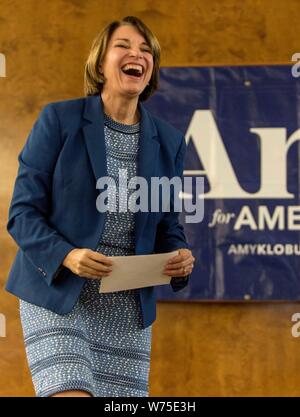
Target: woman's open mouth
(133,71)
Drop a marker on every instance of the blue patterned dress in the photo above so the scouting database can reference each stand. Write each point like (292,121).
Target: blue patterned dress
(100,346)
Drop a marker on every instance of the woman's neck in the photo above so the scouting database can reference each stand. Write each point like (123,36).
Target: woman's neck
(121,109)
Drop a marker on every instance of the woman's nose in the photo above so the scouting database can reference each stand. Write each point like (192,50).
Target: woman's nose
(136,53)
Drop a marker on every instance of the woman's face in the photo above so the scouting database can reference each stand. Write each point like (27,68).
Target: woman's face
(127,51)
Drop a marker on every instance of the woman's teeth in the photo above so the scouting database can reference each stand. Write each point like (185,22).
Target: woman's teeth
(132,70)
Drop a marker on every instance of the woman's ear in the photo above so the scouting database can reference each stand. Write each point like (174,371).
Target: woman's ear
(100,69)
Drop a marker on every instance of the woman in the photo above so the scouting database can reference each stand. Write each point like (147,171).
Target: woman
(80,342)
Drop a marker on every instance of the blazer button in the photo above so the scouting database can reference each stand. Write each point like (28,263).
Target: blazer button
(43,272)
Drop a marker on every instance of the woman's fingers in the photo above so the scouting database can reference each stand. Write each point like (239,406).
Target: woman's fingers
(87,272)
(177,258)
(96,266)
(97,261)
(89,264)
(178,272)
(181,264)
(99,257)
(184,263)
(183,255)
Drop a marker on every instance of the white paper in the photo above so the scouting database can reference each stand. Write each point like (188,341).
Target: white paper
(136,271)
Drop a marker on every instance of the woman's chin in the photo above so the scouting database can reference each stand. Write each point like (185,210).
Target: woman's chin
(132,92)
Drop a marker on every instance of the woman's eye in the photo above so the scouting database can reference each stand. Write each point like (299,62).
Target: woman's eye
(144,50)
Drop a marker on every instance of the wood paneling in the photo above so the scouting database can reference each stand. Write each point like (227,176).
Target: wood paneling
(199,348)
(225,349)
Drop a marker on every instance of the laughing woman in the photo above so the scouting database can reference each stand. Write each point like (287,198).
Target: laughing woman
(80,342)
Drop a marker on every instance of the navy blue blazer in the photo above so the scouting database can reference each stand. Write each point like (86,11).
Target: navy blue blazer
(53,208)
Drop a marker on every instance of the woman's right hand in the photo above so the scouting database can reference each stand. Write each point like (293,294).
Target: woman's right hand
(88,263)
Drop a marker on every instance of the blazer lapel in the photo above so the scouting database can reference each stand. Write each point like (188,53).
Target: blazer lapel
(147,163)
(94,135)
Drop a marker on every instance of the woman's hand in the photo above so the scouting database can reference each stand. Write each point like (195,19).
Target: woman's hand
(88,263)
(180,265)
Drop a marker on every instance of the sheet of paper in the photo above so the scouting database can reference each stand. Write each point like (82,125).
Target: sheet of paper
(136,271)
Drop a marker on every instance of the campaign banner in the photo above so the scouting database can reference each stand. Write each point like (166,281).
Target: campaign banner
(242,131)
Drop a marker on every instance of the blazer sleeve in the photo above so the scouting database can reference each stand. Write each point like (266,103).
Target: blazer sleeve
(170,233)
(31,200)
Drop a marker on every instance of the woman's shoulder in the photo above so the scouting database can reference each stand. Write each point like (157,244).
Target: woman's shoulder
(171,139)
(165,128)
(69,112)
(67,104)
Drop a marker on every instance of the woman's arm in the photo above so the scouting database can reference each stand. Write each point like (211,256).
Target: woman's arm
(170,234)
(31,201)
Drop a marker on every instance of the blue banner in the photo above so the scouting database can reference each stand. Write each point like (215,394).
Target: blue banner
(242,131)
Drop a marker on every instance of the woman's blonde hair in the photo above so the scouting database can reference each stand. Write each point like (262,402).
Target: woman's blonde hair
(93,79)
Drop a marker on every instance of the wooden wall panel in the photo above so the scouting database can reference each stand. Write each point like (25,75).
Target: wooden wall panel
(225,349)
(199,348)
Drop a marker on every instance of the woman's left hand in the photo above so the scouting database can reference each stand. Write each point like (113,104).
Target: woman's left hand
(180,265)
